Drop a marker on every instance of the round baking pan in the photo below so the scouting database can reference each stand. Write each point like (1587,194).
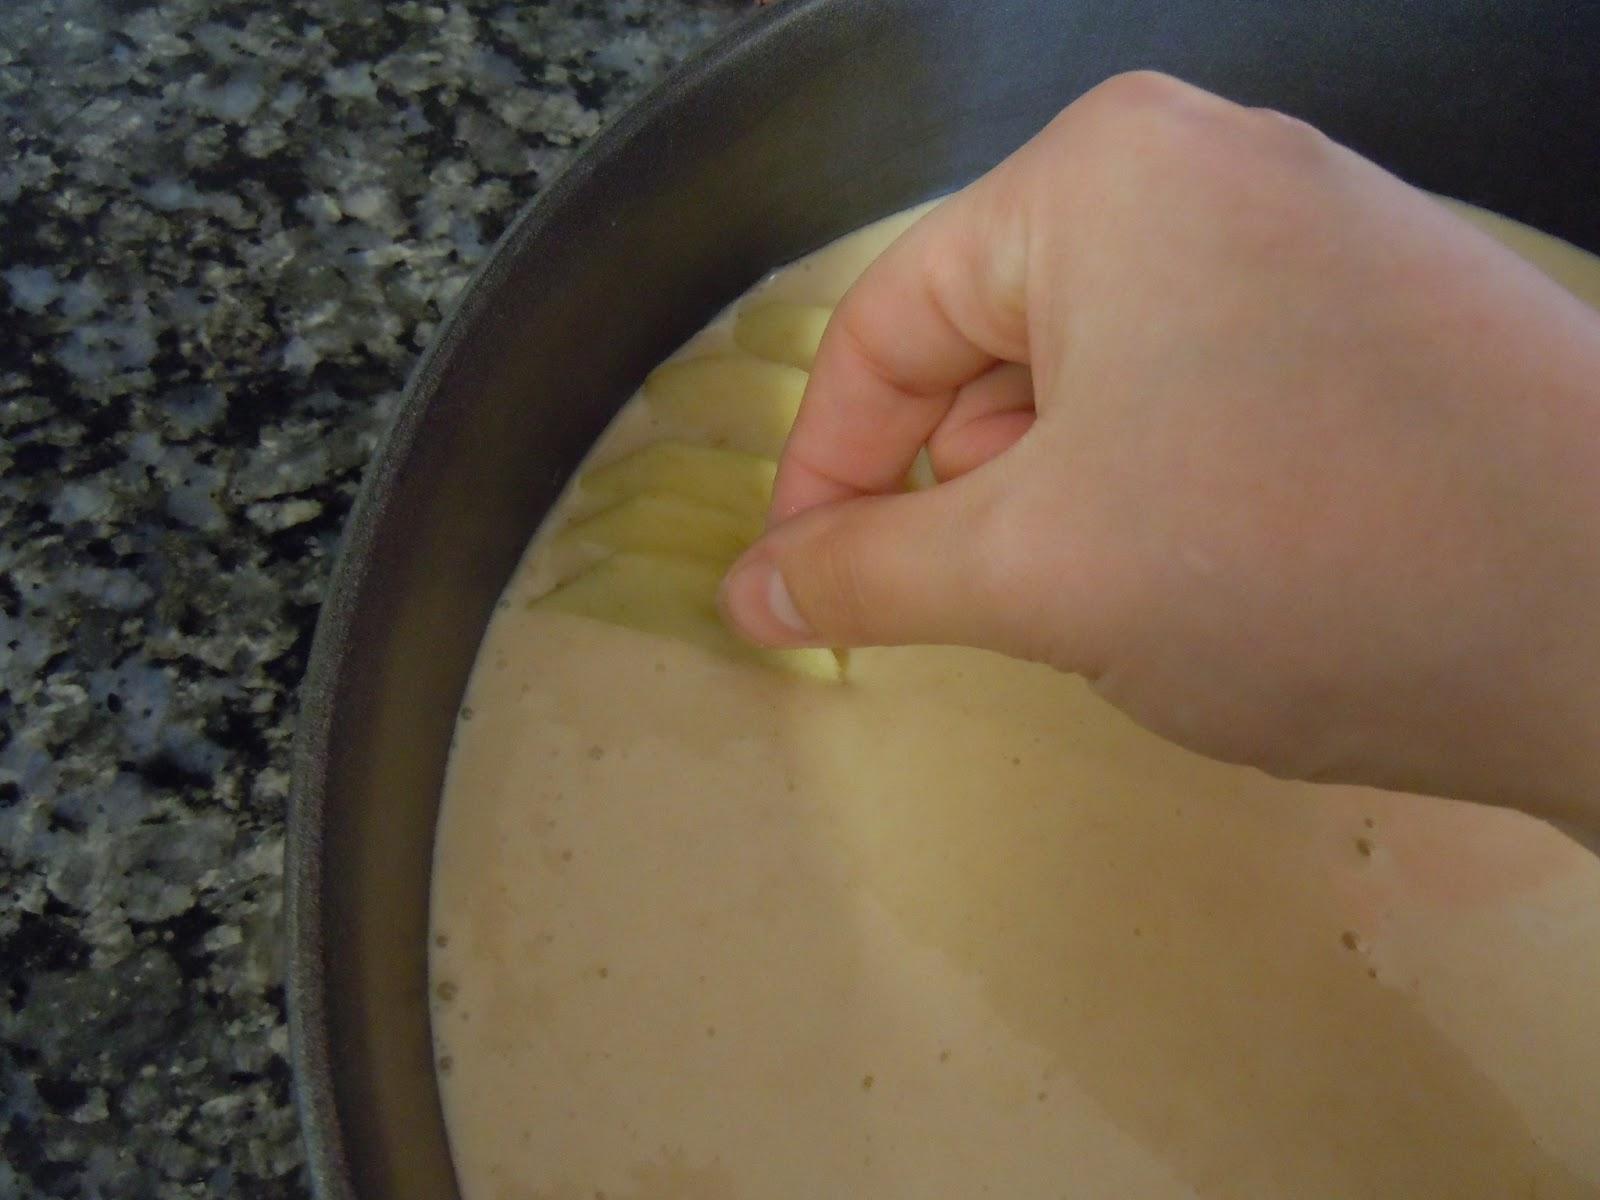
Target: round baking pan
(810,119)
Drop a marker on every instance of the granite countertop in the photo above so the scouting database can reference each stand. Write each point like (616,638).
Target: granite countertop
(227,227)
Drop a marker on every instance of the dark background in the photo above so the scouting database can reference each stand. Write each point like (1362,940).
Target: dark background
(227,227)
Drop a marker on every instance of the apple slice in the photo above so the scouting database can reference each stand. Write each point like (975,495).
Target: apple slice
(734,401)
(740,483)
(782,332)
(674,596)
(661,521)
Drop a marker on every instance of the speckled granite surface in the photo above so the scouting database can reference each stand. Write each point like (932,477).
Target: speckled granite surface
(226,229)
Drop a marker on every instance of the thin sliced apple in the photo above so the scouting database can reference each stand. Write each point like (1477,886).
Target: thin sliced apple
(734,401)
(729,479)
(661,521)
(782,332)
(673,596)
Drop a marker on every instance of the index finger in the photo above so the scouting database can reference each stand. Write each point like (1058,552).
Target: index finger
(938,308)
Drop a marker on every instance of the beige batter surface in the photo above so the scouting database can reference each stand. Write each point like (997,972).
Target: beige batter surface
(958,929)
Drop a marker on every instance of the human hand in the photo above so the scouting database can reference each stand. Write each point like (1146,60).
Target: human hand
(1296,466)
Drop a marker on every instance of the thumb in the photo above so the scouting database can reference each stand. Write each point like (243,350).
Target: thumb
(918,567)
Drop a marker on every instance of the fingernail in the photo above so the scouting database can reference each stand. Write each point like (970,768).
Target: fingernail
(781,604)
(757,603)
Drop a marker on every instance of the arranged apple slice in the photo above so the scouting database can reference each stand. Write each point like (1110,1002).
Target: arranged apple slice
(673,596)
(661,521)
(738,482)
(782,332)
(733,401)
(679,511)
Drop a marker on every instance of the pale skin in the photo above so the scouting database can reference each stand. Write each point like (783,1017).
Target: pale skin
(1298,468)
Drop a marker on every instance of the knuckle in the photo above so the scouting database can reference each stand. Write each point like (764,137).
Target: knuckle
(1280,134)
(1142,92)
(1143,121)
(1147,104)
(1138,112)
(1281,124)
